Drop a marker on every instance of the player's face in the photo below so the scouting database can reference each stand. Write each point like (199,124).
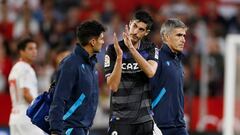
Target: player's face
(30,52)
(137,30)
(176,39)
(98,43)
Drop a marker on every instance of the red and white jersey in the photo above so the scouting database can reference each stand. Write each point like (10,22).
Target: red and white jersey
(21,76)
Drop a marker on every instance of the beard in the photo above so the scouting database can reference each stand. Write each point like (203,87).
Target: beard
(134,39)
(97,51)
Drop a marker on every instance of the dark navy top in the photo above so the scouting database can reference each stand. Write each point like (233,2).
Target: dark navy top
(167,90)
(76,93)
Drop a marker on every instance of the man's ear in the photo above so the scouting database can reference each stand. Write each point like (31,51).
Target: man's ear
(21,52)
(130,22)
(148,31)
(92,42)
(166,36)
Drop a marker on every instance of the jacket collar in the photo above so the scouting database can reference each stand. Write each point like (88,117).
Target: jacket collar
(81,52)
(167,50)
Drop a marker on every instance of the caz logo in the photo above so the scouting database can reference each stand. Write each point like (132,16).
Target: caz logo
(130,66)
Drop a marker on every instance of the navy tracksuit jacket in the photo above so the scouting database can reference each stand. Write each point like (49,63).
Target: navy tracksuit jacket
(167,93)
(76,94)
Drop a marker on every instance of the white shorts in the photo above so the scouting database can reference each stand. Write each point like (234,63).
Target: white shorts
(156,130)
(21,125)
(25,130)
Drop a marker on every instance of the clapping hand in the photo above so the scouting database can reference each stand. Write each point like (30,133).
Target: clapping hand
(117,47)
(126,38)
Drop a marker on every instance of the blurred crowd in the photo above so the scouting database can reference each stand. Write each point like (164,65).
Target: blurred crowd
(52,24)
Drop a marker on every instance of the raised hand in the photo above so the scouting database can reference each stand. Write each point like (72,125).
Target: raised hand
(117,48)
(126,38)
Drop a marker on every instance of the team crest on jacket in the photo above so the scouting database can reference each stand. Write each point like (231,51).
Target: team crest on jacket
(114,133)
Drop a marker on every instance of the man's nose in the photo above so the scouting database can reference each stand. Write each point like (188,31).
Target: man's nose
(135,31)
(35,50)
(183,39)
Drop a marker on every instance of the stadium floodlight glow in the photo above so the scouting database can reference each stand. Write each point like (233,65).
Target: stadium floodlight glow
(232,45)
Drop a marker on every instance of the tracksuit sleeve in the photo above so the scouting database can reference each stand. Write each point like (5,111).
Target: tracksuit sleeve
(153,53)
(65,82)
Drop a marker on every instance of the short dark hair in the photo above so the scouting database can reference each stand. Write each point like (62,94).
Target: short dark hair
(23,43)
(87,30)
(145,17)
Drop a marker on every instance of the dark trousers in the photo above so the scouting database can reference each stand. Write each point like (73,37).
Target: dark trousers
(174,131)
(131,129)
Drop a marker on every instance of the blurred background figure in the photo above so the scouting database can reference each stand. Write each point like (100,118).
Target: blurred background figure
(61,53)
(23,89)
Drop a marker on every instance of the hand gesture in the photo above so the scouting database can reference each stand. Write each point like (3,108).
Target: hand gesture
(117,47)
(126,38)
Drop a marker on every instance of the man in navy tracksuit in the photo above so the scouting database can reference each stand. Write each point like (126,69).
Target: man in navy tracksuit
(76,93)
(167,84)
